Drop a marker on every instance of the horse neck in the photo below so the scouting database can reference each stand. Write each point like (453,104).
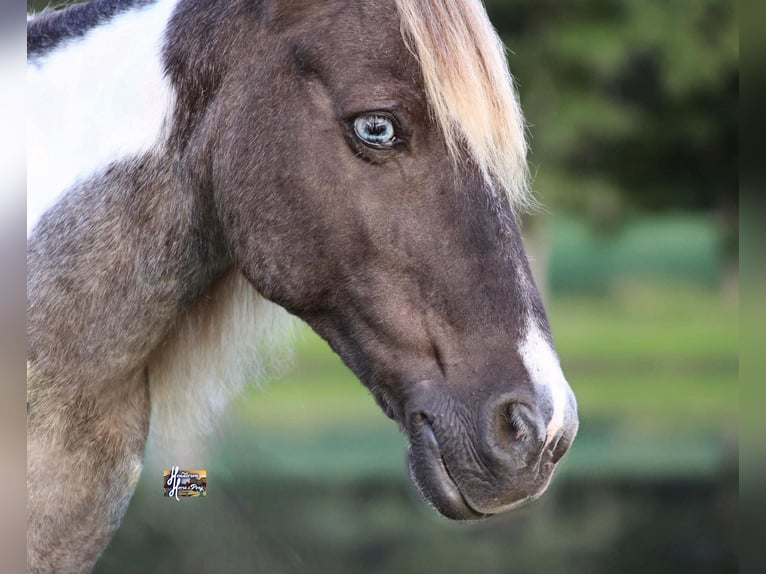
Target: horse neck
(97,92)
(114,264)
(122,241)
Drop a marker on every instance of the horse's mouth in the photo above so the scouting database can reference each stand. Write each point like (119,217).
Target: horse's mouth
(430,473)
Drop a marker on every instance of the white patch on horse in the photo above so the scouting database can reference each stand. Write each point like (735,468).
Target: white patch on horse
(230,337)
(94,100)
(544,370)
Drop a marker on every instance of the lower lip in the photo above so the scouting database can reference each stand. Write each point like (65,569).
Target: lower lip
(432,477)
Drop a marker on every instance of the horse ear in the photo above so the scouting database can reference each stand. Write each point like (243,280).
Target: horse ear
(287,13)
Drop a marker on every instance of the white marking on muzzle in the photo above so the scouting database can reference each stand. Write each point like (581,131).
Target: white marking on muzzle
(94,100)
(544,370)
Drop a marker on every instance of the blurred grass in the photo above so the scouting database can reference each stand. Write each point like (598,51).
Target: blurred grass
(665,356)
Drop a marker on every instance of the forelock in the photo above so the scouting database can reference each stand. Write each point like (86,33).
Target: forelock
(469,89)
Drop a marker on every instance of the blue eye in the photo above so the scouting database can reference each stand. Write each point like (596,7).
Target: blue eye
(376,130)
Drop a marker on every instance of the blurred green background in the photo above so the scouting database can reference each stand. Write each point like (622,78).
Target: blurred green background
(632,106)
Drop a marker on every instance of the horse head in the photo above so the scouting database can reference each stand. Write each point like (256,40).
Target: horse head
(366,162)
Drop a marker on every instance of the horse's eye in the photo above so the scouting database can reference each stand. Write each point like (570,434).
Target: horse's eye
(376,130)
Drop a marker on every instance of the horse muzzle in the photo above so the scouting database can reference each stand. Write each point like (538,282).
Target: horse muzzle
(471,467)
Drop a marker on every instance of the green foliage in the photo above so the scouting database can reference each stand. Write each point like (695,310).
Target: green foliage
(630,102)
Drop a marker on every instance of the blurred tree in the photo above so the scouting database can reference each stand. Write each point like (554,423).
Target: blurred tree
(632,104)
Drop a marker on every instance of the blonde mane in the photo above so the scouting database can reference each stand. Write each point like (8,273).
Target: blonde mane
(470,90)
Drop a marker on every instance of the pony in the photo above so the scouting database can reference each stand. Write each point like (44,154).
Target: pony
(199,170)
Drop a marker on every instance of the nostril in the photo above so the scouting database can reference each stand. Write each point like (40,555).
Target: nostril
(517,427)
(561,447)
(513,425)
